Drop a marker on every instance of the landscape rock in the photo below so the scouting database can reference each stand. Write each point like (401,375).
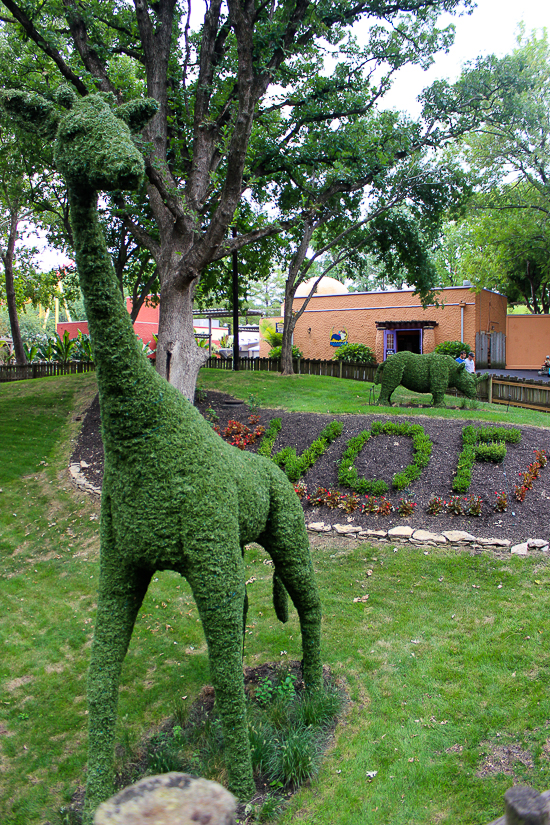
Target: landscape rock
(520,549)
(427,536)
(377,534)
(539,544)
(401,531)
(458,536)
(319,527)
(170,799)
(344,529)
(494,542)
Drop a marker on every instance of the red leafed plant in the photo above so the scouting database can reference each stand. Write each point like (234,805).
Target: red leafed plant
(240,435)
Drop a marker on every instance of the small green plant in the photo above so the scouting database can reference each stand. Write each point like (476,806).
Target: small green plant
(454,506)
(285,690)
(436,505)
(253,404)
(501,504)
(200,396)
(264,691)
(211,415)
(301,490)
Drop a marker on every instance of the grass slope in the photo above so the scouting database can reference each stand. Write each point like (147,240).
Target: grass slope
(322,394)
(447,661)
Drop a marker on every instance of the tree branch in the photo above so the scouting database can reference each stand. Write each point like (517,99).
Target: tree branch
(44,46)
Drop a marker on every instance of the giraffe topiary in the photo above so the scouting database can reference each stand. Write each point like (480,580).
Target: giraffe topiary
(175,496)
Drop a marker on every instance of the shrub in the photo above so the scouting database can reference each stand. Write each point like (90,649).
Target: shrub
(481,444)
(452,348)
(294,465)
(355,353)
(275,352)
(495,452)
(269,438)
(422,446)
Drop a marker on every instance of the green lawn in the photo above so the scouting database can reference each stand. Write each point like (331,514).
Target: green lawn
(446,664)
(322,394)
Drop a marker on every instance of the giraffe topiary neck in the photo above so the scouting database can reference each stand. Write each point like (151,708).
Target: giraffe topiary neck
(123,371)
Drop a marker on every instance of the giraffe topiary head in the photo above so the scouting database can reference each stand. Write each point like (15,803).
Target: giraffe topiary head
(93,141)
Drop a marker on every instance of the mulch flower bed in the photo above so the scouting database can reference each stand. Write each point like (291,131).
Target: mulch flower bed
(381,457)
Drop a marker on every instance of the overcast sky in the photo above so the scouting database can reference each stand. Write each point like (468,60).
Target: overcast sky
(492,28)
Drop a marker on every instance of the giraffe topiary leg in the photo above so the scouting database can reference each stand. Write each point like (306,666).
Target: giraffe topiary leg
(287,543)
(220,598)
(121,593)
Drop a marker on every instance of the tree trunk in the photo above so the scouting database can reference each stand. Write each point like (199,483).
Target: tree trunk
(178,358)
(287,367)
(20,357)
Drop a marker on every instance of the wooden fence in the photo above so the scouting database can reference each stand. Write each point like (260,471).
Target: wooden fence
(12,372)
(301,366)
(515,392)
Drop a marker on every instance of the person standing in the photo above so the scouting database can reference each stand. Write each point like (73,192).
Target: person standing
(469,363)
(461,358)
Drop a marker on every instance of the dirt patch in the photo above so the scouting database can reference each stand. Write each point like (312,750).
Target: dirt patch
(503,759)
(381,458)
(19,682)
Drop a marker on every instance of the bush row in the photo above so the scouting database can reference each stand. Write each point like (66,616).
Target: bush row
(422,447)
(481,444)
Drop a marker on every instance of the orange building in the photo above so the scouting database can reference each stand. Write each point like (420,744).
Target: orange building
(392,321)
(527,341)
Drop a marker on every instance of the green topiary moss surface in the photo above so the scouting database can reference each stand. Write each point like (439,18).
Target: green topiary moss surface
(431,373)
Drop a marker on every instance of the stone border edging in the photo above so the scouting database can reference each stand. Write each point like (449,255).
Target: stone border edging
(419,537)
(425,538)
(80,481)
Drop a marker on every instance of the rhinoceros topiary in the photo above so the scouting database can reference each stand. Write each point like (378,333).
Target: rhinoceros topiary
(423,373)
